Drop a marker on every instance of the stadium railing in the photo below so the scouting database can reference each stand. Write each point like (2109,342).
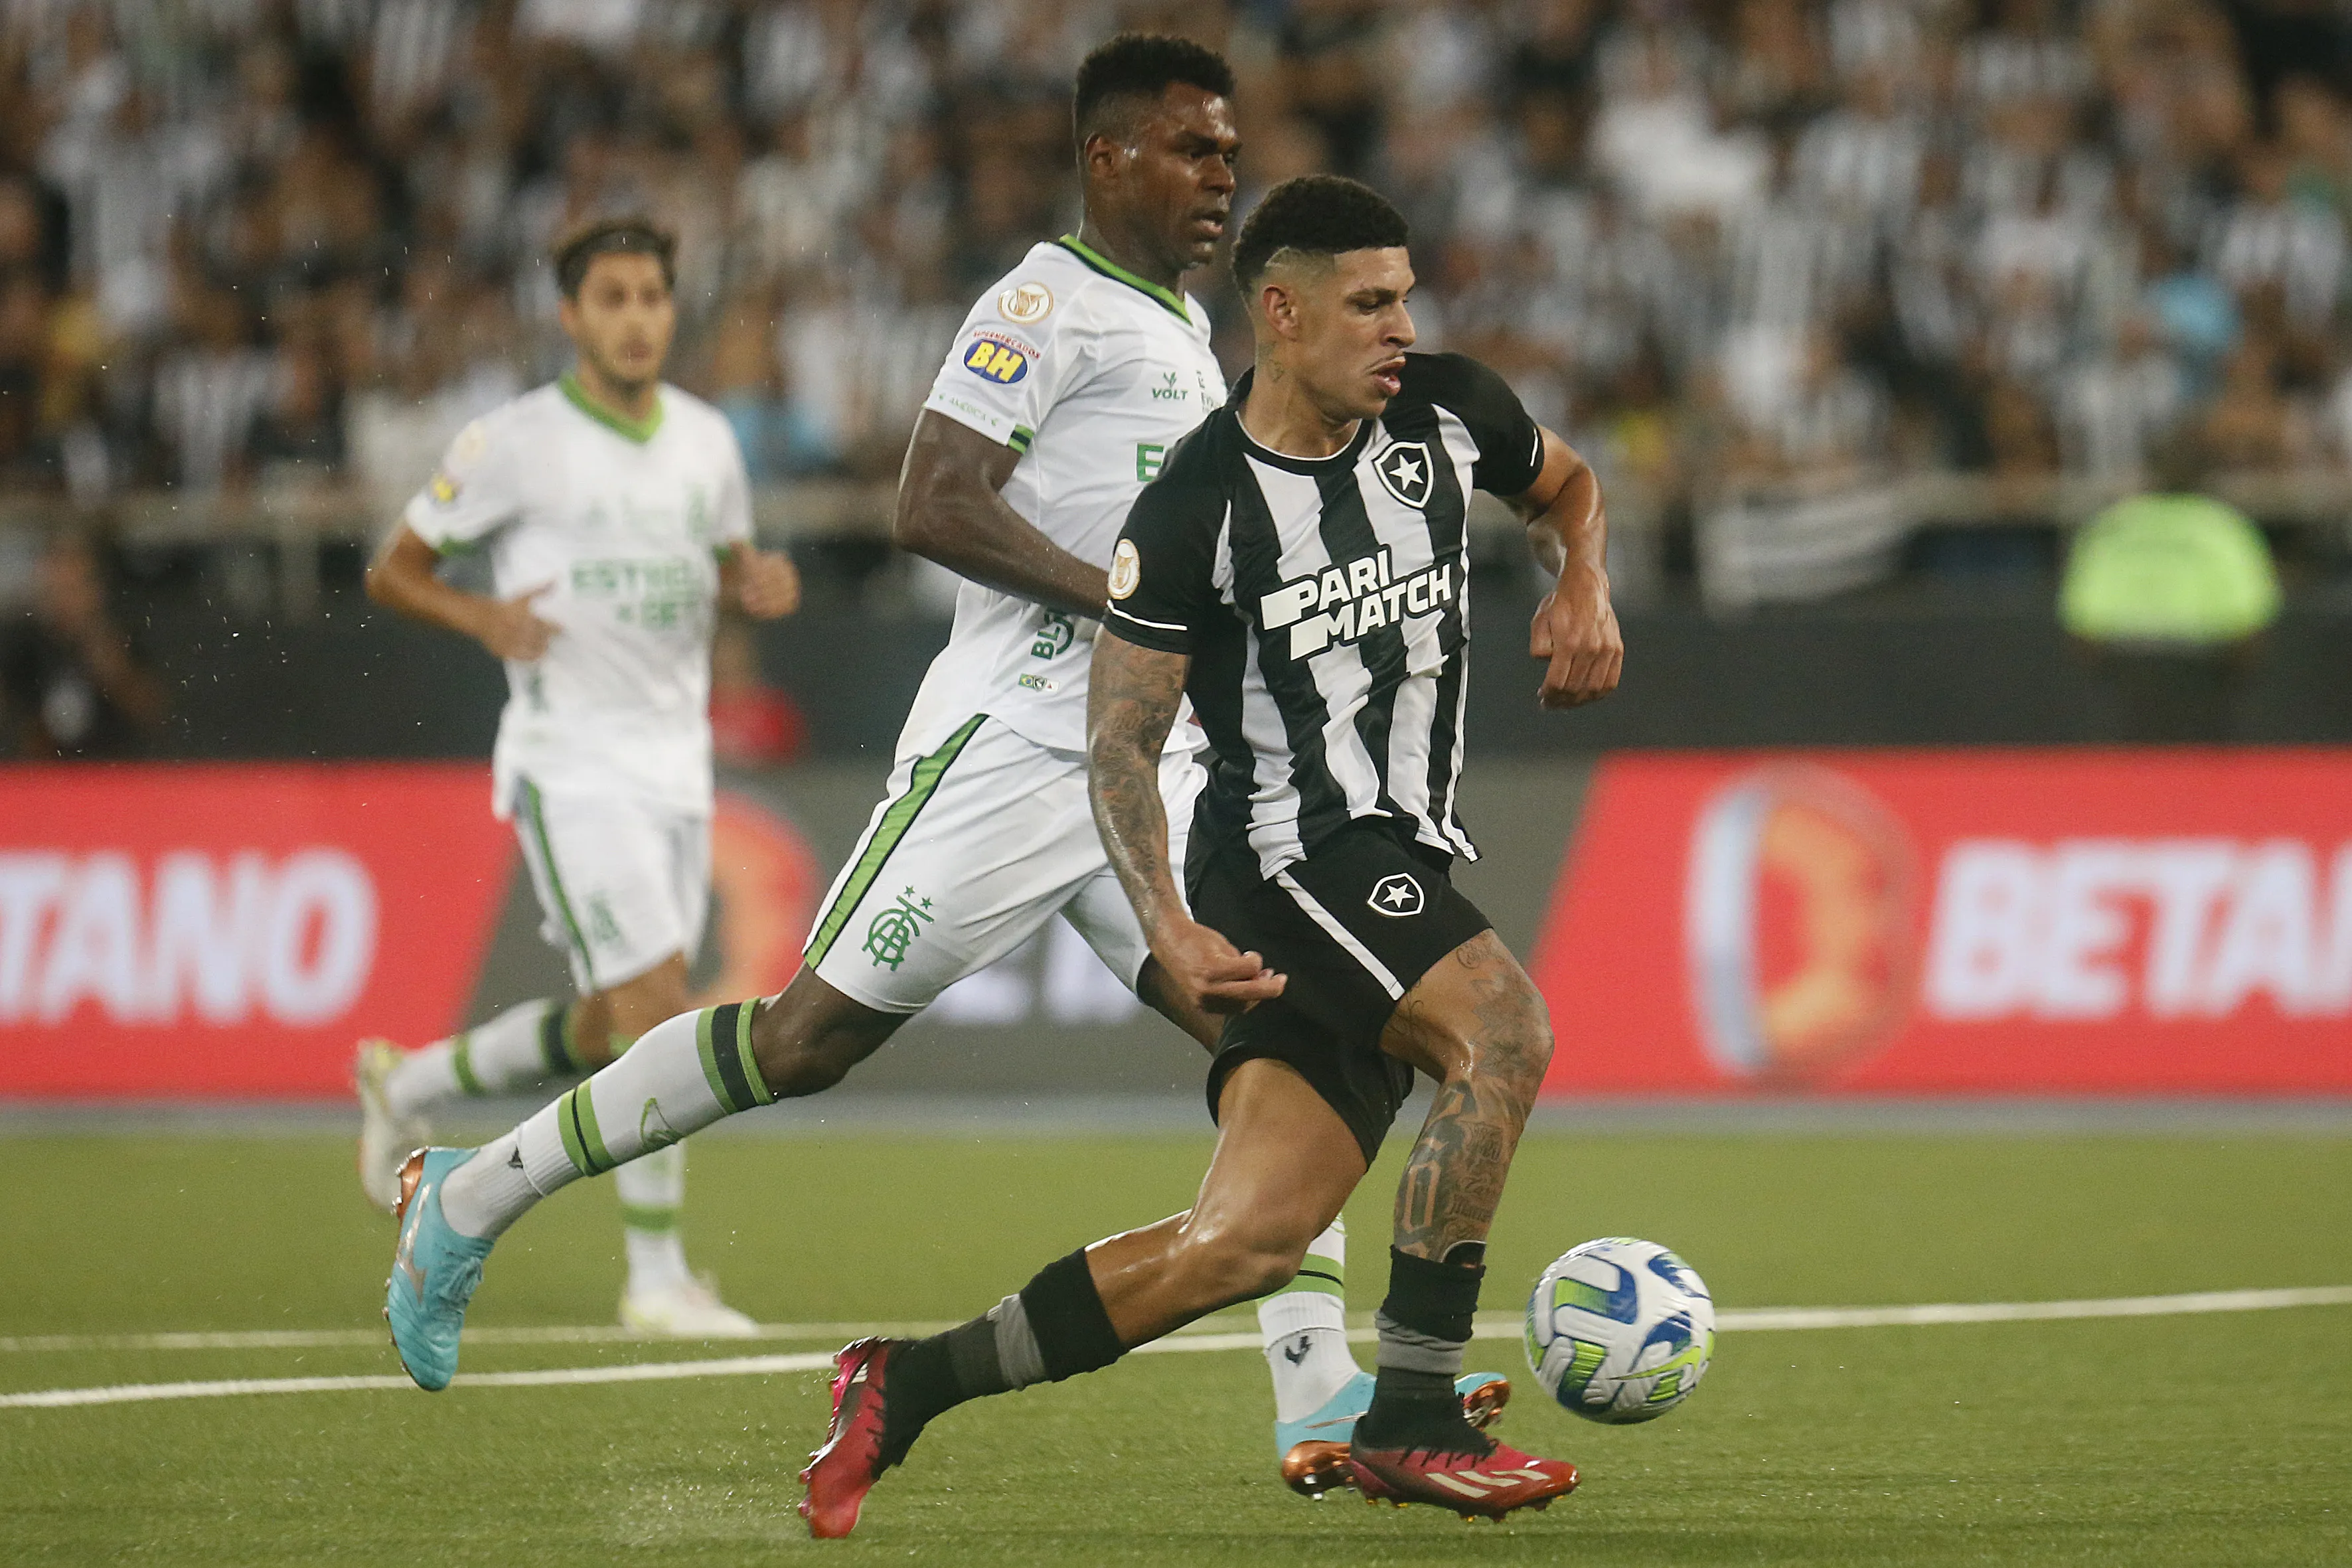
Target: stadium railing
(1853,534)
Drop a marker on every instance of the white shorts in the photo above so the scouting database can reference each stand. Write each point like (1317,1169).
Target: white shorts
(973,848)
(622,885)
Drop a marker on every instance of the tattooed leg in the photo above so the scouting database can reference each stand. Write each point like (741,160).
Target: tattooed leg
(1476,1025)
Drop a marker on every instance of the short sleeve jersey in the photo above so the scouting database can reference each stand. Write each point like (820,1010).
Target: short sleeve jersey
(623,524)
(1091,374)
(1325,604)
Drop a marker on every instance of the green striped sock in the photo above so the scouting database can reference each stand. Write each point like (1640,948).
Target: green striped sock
(507,1053)
(652,1190)
(679,1078)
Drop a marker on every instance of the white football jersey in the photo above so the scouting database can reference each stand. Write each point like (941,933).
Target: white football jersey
(624,523)
(1091,373)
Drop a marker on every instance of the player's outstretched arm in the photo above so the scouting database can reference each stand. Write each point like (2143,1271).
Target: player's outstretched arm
(1132,697)
(1575,630)
(402,577)
(950,512)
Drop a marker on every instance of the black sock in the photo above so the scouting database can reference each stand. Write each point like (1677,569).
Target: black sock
(1424,1326)
(1056,1328)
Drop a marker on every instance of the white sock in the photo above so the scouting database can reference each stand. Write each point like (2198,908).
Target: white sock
(520,1046)
(1304,1328)
(651,1189)
(680,1077)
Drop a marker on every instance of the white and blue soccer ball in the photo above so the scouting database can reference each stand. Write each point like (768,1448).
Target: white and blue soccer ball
(1619,1331)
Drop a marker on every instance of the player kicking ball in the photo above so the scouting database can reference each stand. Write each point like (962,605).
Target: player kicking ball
(617,515)
(1067,386)
(1298,570)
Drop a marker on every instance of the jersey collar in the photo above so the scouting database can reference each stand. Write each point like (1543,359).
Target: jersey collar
(638,430)
(1109,268)
(1345,458)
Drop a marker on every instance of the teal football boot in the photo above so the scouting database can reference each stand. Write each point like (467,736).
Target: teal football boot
(1315,1451)
(434,1272)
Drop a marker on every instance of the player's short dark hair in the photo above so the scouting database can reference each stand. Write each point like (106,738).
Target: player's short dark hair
(1319,214)
(1142,65)
(634,235)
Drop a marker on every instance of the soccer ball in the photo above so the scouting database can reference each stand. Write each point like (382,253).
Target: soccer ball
(1620,1329)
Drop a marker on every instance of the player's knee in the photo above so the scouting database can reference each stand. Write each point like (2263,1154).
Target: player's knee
(1241,1260)
(1513,1047)
(803,1049)
(809,1063)
(1253,1268)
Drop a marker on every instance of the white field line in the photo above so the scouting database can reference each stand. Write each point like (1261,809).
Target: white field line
(1490,1326)
(547,1334)
(1755,1318)
(638,1372)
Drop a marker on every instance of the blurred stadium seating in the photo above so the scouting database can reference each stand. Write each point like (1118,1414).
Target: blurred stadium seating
(1829,292)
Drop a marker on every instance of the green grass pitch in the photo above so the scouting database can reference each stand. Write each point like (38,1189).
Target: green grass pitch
(2224,1439)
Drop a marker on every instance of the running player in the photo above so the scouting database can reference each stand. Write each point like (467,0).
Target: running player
(617,515)
(1067,386)
(1298,569)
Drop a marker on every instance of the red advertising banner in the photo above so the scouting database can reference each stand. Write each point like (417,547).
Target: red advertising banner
(231,930)
(767,882)
(1980,921)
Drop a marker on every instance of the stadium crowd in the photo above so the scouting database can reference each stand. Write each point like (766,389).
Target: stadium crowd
(295,242)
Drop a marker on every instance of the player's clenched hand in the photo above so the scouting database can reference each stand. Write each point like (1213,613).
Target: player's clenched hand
(513,630)
(1208,972)
(767,584)
(1575,632)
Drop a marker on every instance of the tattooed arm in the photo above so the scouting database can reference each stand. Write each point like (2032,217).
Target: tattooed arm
(1131,701)
(1575,630)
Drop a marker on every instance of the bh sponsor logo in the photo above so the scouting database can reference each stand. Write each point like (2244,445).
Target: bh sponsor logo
(186,937)
(2164,929)
(1798,920)
(999,357)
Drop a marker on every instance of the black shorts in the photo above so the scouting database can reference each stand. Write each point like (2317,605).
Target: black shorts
(1353,926)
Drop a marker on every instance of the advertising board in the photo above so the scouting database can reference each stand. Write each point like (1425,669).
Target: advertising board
(229,929)
(1979,921)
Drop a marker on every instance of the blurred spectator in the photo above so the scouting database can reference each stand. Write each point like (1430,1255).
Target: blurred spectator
(1801,412)
(2251,425)
(747,385)
(2111,406)
(72,683)
(2283,255)
(24,321)
(209,396)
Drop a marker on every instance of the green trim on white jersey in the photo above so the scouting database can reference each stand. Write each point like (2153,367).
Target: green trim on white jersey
(638,430)
(1109,268)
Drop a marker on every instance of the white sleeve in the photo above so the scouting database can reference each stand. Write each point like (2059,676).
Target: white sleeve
(475,490)
(1005,374)
(734,519)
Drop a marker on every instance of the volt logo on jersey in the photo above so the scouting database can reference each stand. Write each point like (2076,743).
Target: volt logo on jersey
(1396,896)
(1404,472)
(999,357)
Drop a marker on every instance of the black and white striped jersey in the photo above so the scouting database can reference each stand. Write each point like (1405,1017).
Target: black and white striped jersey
(1325,604)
